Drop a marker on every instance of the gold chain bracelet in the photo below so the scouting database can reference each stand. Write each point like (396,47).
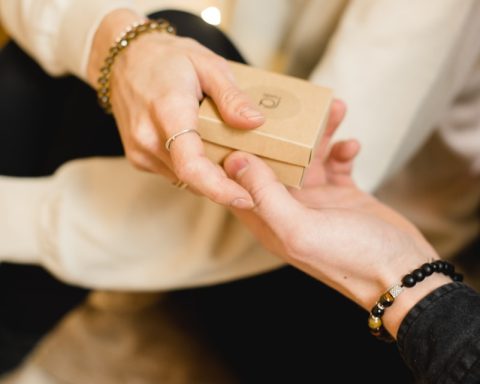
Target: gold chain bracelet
(134,31)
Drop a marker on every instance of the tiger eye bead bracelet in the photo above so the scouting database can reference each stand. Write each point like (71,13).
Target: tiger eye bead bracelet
(375,323)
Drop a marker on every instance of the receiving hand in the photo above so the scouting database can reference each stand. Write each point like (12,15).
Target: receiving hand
(156,86)
(330,228)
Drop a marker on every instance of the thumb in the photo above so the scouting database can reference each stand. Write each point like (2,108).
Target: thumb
(273,202)
(234,105)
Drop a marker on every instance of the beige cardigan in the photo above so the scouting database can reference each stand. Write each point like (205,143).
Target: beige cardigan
(398,64)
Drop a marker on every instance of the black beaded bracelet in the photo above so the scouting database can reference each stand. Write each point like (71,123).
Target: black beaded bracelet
(375,323)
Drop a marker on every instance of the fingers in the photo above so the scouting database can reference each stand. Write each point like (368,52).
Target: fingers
(273,203)
(343,153)
(154,100)
(339,164)
(176,113)
(315,174)
(336,169)
(337,113)
(194,168)
(234,105)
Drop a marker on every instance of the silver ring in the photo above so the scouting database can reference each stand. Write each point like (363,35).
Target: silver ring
(180,184)
(171,139)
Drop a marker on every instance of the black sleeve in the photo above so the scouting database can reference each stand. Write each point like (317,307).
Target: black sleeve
(439,339)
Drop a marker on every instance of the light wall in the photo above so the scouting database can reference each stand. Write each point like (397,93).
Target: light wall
(225,7)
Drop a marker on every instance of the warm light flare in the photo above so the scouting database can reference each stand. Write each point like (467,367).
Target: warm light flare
(212,15)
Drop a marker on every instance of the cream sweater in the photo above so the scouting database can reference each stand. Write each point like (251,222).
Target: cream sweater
(399,65)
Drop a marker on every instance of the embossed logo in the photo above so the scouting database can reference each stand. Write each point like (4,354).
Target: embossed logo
(275,102)
(270,101)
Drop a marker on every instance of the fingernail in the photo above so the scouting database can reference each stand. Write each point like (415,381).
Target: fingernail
(238,167)
(252,114)
(242,203)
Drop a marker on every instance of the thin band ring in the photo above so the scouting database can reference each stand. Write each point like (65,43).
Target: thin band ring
(171,139)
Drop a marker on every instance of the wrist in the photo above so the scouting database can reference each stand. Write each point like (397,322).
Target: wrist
(408,299)
(413,287)
(111,27)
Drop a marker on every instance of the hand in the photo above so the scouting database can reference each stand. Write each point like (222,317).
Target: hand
(156,87)
(331,229)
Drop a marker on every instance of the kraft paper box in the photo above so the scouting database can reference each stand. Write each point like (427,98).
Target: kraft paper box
(296,113)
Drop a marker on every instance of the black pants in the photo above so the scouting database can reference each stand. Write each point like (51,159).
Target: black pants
(264,326)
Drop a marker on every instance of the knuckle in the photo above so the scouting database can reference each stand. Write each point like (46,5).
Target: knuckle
(159,106)
(221,63)
(187,171)
(162,107)
(168,103)
(190,171)
(146,139)
(161,100)
(230,95)
(241,105)
(260,194)
(150,145)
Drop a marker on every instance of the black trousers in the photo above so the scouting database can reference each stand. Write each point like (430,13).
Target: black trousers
(265,326)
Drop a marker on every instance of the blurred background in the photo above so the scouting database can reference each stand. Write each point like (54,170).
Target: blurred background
(281,327)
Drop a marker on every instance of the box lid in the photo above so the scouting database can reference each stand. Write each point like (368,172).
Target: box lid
(296,113)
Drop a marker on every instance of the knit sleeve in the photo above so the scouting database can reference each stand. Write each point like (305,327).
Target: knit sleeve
(58,34)
(100,223)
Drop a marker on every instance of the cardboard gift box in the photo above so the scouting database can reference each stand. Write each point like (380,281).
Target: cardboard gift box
(296,114)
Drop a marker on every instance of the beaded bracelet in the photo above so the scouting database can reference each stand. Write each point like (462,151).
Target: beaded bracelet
(134,31)
(375,323)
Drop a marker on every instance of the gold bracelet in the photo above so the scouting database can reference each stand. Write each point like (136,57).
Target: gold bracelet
(134,31)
